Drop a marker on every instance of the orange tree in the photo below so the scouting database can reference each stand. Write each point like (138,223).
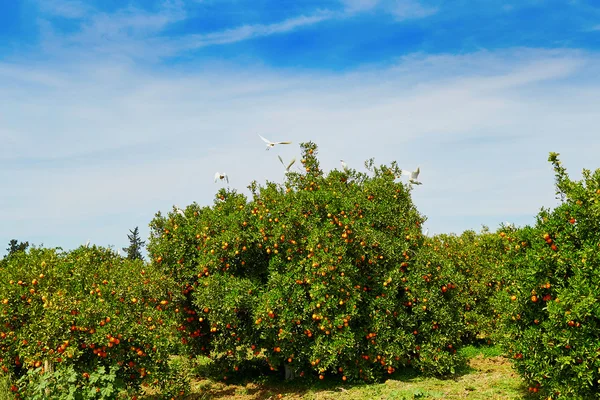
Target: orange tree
(323,273)
(550,304)
(214,255)
(478,260)
(86,322)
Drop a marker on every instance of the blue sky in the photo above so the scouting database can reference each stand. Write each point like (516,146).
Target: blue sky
(114,110)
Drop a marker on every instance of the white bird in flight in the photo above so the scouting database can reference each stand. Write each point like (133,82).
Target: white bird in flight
(221,176)
(344,166)
(413,176)
(287,167)
(272,144)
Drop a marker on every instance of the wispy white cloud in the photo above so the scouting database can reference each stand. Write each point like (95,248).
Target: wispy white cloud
(401,9)
(246,32)
(111,143)
(133,22)
(359,5)
(129,23)
(410,9)
(64,8)
(25,74)
(487,74)
(136,33)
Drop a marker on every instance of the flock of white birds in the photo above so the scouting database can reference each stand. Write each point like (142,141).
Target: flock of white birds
(222,176)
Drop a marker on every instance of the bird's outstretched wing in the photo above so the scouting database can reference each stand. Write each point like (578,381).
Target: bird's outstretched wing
(287,167)
(287,142)
(412,174)
(267,141)
(217,176)
(415,173)
(290,164)
(226,177)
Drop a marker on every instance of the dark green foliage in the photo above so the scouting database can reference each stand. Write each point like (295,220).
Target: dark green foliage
(14,245)
(550,304)
(324,274)
(134,251)
(80,313)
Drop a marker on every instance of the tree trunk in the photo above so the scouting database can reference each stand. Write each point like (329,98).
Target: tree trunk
(289,372)
(48,369)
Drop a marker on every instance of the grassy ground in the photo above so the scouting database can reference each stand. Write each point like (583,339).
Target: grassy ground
(488,377)
(4,388)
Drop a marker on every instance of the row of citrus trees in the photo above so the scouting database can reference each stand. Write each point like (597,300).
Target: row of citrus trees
(84,324)
(550,308)
(323,275)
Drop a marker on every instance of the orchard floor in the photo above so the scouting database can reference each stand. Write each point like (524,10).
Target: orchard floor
(489,376)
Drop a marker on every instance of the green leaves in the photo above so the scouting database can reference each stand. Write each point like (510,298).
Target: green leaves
(82,312)
(315,268)
(553,322)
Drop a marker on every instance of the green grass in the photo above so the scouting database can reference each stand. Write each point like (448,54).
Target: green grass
(489,379)
(5,388)
(484,350)
(489,376)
